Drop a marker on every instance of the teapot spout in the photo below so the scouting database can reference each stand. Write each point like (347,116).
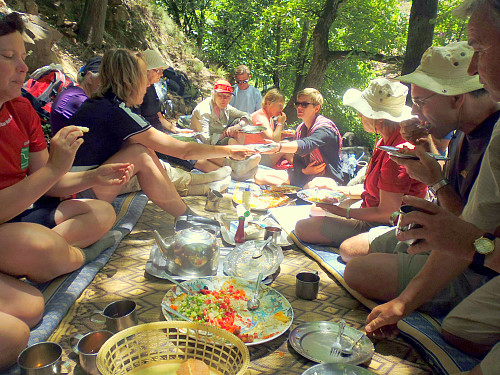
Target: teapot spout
(162,244)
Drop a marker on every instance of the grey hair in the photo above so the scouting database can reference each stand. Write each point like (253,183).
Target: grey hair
(465,9)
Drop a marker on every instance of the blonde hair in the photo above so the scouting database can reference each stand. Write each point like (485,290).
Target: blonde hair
(121,72)
(242,69)
(273,96)
(314,96)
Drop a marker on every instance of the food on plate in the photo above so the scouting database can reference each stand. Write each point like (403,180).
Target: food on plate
(263,200)
(321,196)
(83,129)
(285,189)
(407,151)
(193,367)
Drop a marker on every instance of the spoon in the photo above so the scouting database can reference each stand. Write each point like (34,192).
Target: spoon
(179,285)
(254,303)
(259,254)
(348,351)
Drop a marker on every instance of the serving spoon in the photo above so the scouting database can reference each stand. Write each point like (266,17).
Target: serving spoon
(254,303)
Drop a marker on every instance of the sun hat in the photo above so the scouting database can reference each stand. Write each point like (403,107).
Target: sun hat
(91,66)
(221,85)
(443,70)
(383,99)
(153,60)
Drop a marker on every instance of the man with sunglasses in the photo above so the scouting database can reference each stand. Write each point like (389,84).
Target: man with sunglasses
(246,97)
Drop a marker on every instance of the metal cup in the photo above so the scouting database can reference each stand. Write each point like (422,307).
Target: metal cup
(213,200)
(307,285)
(87,348)
(273,232)
(43,358)
(118,315)
(399,228)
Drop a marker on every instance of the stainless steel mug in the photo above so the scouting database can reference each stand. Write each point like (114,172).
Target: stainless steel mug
(118,315)
(273,232)
(44,358)
(399,228)
(213,200)
(87,348)
(307,285)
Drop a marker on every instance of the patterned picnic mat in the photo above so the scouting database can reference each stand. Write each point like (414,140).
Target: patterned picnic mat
(123,277)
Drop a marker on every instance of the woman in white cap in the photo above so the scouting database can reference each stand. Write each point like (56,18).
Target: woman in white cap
(381,107)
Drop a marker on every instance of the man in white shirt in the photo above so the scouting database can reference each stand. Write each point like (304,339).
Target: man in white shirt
(246,98)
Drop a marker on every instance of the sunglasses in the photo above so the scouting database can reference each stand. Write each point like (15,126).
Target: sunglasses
(158,70)
(242,82)
(302,104)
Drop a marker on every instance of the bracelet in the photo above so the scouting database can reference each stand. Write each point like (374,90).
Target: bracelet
(438,185)
(348,213)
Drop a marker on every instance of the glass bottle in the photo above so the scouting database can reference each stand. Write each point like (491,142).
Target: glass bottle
(239,236)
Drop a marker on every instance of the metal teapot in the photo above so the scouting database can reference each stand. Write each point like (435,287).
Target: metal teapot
(191,252)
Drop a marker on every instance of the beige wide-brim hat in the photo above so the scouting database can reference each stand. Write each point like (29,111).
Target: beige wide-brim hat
(383,99)
(153,60)
(443,70)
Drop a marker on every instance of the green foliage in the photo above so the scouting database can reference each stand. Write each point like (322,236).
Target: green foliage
(237,32)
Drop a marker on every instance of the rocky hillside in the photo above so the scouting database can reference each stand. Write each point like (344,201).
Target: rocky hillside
(137,25)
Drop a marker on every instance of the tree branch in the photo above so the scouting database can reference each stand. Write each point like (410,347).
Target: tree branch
(338,55)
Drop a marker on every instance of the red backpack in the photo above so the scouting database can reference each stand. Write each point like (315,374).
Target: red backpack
(42,87)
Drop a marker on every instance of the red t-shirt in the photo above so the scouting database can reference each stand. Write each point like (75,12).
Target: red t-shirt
(385,174)
(20,133)
(259,118)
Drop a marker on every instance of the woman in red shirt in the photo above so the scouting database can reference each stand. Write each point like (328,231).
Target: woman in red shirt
(381,108)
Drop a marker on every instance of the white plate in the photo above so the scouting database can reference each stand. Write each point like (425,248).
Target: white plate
(323,196)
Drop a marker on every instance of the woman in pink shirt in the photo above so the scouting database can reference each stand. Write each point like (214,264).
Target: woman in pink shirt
(272,106)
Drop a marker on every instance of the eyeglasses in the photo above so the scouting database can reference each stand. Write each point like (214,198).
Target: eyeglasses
(420,103)
(302,104)
(242,82)
(158,70)
(224,96)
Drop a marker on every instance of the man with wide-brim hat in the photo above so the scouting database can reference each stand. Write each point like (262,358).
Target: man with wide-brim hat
(446,98)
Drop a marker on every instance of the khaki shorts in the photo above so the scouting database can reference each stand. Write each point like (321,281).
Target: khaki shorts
(383,240)
(490,365)
(338,229)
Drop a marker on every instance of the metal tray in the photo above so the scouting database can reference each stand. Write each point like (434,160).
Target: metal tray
(156,266)
(284,240)
(314,340)
(336,369)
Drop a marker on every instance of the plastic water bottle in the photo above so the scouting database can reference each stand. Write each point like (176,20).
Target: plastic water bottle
(352,163)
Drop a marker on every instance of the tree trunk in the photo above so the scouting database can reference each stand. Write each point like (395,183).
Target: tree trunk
(321,55)
(277,60)
(420,32)
(91,28)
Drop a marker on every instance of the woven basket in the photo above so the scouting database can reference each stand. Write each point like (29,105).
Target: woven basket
(173,342)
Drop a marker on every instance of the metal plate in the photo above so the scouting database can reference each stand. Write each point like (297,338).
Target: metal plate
(323,196)
(314,340)
(251,129)
(336,369)
(264,321)
(394,151)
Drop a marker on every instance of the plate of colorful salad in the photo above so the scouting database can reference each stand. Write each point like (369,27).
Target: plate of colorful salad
(222,302)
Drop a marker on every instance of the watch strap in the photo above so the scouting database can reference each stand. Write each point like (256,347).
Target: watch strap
(478,260)
(438,185)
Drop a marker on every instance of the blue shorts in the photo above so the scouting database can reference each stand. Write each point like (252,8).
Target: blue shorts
(41,212)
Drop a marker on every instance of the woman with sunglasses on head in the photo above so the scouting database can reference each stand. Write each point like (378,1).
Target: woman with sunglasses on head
(42,237)
(315,149)
(381,108)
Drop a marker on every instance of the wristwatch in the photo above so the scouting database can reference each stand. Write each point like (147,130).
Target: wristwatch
(438,185)
(484,245)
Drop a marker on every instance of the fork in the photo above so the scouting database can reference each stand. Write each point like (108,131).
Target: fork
(336,349)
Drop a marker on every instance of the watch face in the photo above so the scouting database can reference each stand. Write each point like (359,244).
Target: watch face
(484,245)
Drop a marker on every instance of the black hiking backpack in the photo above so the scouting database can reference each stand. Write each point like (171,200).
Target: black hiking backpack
(179,84)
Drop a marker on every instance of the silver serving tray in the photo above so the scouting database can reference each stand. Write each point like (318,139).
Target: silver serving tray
(156,266)
(336,369)
(314,340)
